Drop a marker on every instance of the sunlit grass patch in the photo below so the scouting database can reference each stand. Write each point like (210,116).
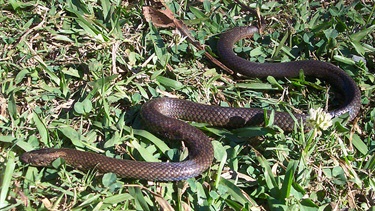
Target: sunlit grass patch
(74,74)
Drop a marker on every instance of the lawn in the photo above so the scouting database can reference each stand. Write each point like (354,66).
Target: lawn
(75,74)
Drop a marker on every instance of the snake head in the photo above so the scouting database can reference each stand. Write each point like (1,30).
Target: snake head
(41,157)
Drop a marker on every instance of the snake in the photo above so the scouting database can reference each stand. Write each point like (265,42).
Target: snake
(164,116)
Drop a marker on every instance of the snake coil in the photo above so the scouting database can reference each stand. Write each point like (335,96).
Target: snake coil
(161,116)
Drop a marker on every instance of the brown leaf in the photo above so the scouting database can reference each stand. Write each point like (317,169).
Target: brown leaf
(157,17)
(165,18)
(164,204)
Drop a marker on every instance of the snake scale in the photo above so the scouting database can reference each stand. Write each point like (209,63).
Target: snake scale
(161,116)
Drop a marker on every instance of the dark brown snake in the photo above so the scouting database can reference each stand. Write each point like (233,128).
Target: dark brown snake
(161,116)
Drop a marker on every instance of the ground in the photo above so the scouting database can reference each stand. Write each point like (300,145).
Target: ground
(74,74)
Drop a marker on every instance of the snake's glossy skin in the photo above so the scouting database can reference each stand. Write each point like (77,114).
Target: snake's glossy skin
(162,116)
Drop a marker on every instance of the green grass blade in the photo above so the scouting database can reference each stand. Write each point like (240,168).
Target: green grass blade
(42,129)
(6,181)
(288,179)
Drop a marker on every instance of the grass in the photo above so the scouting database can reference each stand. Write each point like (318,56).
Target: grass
(75,73)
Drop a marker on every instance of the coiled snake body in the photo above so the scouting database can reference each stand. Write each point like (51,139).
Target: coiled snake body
(161,116)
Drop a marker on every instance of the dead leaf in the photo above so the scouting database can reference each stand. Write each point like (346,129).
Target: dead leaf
(3,106)
(164,204)
(157,17)
(165,18)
